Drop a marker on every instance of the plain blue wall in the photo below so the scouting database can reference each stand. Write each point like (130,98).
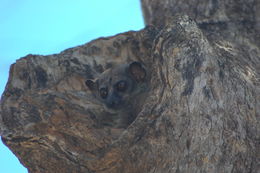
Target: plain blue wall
(50,26)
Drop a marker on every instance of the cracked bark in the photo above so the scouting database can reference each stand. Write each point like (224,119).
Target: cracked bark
(201,113)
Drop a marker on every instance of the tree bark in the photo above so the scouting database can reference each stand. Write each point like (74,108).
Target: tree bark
(201,113)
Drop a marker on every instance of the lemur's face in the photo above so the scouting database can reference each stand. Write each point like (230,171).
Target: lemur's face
(116,86)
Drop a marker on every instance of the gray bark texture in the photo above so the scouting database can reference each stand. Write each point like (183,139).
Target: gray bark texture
(200,114)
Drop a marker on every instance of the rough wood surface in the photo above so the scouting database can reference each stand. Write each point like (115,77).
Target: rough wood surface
(201,113)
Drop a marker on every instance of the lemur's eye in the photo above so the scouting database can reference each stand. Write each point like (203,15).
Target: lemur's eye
(121,86)
(103,93)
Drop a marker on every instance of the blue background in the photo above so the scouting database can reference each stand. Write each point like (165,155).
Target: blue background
(50,26)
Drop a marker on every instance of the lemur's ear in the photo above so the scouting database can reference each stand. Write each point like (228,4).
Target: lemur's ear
(137,71)
(91,84)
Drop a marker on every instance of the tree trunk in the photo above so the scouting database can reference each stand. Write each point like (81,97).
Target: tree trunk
(201,113)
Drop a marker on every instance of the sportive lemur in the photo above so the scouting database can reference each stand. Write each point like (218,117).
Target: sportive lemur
(120,90)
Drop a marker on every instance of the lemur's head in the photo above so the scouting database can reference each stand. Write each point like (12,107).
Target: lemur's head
(117,86)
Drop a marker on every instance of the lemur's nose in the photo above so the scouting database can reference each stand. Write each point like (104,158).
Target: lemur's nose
(113,102)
